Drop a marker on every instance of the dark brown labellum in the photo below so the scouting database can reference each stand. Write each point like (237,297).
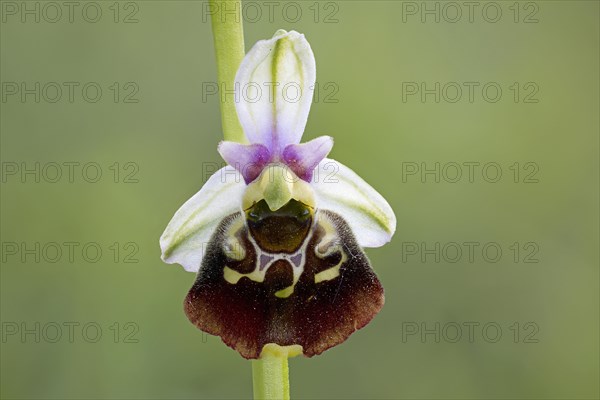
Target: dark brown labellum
(288,277)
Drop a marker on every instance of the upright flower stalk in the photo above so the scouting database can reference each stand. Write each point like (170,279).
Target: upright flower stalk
(276,237)
(228,36)
(270,373)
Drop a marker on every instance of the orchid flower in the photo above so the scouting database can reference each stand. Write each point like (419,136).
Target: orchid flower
(278,253)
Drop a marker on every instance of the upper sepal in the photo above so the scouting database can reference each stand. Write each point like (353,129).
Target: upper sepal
(274,90)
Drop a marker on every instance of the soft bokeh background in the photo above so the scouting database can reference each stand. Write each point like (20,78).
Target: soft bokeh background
(171,131)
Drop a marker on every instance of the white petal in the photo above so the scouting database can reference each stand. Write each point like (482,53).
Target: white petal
(274,89)
(187,235)
(341,190)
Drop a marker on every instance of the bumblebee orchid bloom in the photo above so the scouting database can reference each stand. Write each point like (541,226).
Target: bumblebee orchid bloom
(276,236)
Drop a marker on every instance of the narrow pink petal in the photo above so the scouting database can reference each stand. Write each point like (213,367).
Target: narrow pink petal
(248,159)
(303,158)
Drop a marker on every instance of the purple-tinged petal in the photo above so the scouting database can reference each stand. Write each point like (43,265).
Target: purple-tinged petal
(248,159)
(274,90)
(303,158)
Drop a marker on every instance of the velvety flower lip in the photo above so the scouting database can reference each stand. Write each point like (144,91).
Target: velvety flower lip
(279,254)
(262,298)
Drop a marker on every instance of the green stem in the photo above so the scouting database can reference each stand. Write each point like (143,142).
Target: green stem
(228,34)
(270,373)
(270,378)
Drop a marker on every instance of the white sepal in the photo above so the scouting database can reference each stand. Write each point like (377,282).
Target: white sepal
(186,237)
(274,89)
(341,190)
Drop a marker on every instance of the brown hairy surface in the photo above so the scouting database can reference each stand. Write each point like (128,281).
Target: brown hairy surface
(247,315)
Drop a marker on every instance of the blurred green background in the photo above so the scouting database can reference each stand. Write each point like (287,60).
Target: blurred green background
(371,53)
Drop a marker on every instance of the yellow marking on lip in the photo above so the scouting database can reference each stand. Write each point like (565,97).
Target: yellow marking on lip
(329,243)
(233,248)
(283,293)
(328,274)
(258,275)
(233,276)
(333,272)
